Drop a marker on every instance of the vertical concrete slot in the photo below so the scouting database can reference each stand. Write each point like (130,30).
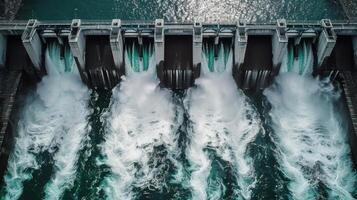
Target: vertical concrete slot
(178,57)
(340,59)
(100,63)
(17,58)
(178,62)
(255,72)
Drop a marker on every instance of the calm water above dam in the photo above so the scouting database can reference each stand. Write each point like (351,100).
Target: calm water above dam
(181,10)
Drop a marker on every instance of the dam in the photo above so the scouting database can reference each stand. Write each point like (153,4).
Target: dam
(124,109)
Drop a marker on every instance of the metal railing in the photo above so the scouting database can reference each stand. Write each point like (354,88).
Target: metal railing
(146,27)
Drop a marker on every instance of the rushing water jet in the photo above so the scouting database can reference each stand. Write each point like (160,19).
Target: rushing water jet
(53,122)
(212,141)
(223,126)
(310,134)
(141,141)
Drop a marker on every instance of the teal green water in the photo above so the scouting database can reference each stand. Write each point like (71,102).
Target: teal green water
(182,10)
(213,141)
(141,141)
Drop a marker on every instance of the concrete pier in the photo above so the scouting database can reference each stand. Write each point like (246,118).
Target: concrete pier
(279,44)
(77,44)
(99,63)
(197,49)
(159,41)
(240,44)
(257,67)
(33,45)
(116,44)
(326,42)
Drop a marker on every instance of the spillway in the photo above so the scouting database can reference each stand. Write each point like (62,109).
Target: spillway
(223,124)
(49,133)
(163,110)
(141,146)
(310,130)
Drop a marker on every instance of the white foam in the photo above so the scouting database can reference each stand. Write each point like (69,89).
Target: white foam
(220,63)
(223,121)
(141,117)
(53,118)
(72,100)
(302,64)
(73,96)
(311,136)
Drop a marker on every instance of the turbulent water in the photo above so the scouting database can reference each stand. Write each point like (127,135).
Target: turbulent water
(141,142)
(49,132)
(223,125)
(213,141)
(310,131)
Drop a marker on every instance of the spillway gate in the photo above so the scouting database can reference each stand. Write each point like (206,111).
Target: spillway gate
(98,48)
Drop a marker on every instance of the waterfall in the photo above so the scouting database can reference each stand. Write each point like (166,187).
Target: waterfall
(310,132)
(140,145)
(133,62)
(302,64)
(219,63)
(223,124)
(50,130)
(212,141)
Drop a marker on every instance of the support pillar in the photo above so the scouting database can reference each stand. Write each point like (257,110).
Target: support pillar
(77,45)
(216,45)
(326,42)
(33,44)
(159,39)
(197,49)
(240,44)
(117,46)
(141,44)
(279,44)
